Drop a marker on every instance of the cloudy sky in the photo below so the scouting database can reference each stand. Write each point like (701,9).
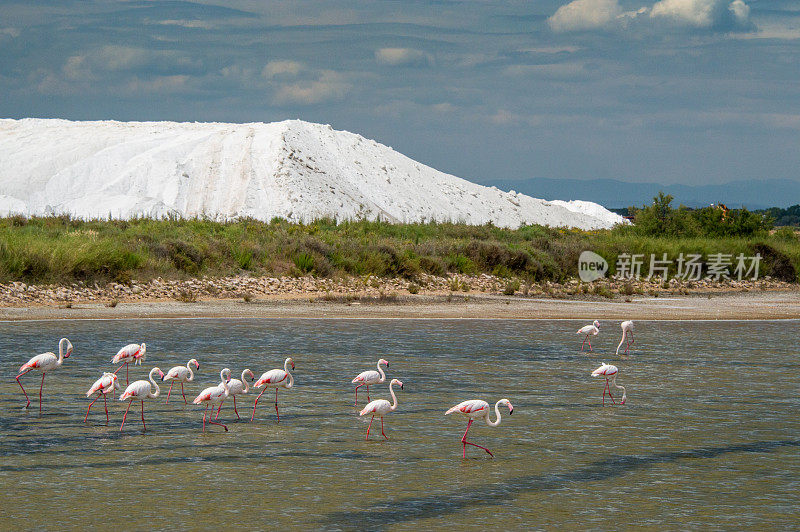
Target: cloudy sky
(673,91)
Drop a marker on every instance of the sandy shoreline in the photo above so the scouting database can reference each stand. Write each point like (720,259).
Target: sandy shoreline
(719,306)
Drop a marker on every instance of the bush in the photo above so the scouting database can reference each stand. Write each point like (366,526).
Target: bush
(304,262)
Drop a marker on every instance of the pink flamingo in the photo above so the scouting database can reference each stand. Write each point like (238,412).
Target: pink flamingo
(477,409)
(365,378)
(44,363)
(213,395)
(275,378)
(237,387)
(103,386)
(381,407)
(140,390)
(131,352)
(589,330)
(627,330)
(181,374)
(609,372)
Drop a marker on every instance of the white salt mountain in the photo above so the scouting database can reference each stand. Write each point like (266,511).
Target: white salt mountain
(292,169)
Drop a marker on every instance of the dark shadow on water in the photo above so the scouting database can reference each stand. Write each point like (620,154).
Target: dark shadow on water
(381,516)
(251,457)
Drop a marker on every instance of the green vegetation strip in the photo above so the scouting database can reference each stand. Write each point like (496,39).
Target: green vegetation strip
(61,250)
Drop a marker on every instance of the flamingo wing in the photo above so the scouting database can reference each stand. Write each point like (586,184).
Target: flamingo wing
(273,376)
(367,377)
(378,406)
(205,395)
(136,389)
(39,361)
(605,370)
(469,407)
(175,373)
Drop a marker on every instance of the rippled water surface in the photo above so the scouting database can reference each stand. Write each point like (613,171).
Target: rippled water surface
(709,437)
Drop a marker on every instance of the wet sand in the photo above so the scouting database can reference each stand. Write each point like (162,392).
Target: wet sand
(717,306)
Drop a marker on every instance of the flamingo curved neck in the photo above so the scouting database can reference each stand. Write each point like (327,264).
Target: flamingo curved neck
(286,369)
(61,351)
(394,397)
(383,375)
(496,413)
(620,342)
(245,384)
(190,378)
(158,390)
(614,382)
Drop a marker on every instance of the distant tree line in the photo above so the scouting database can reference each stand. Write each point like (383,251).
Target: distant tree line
(789,217)
(662,219)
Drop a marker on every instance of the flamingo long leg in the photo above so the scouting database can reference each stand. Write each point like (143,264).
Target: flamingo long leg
(604,393)
(41,387)
(126,414)
(90,407)
(125,365)
(204,417)
(218,409)
(256,404)
(590,344)
(217,423)
(357,387)
(23,389)
(370,425)
(584,342)
(105,404)
(384,435)
(368,399)
(184,395)
(234,408)
(170,391)
(276,405)
(465,443)
(144,427)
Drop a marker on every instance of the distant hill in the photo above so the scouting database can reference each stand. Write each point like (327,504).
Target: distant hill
(613,194)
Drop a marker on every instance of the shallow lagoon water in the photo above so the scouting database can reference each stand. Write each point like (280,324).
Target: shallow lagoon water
(709,437)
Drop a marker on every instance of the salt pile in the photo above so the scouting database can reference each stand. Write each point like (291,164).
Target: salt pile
(292,169)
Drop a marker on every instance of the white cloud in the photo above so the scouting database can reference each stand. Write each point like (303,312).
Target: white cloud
(585,15)
(582,15)
(702,13)
(402,57)
(328,86)
(281,68)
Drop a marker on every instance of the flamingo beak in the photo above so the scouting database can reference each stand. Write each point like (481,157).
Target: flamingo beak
(401,386)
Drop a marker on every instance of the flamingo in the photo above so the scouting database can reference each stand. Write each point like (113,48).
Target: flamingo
(589,330)
(275,378)
(627,329)
(609,372)
(381,407)
(131,352)
(103,386)
(44,363)
(365,378)
(213,395)
(140,390)
(238,387)
(181,374)
(477,409)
